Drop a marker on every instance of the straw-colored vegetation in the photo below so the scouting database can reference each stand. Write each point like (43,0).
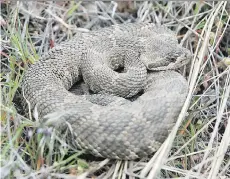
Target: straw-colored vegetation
(198,146)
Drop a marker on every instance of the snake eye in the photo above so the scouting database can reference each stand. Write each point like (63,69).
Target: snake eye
(172,59)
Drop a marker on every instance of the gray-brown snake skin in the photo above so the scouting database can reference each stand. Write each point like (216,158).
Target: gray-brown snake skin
(106,124)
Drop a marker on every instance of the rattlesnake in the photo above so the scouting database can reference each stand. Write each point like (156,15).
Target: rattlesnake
(116,63)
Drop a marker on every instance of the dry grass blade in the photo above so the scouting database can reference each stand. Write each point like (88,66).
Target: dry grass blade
(225,142)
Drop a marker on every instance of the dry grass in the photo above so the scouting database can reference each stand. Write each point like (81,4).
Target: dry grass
(198,146)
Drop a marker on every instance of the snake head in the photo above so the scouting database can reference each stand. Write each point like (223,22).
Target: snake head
(164,53)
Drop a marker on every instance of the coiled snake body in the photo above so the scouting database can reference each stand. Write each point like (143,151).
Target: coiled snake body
(112,122)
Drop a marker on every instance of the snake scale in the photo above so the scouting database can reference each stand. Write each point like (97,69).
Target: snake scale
(135,92)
